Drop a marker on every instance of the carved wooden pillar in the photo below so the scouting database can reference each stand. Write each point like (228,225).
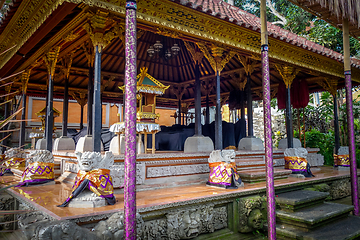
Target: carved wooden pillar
(66,69)
(50,60)
(208,85)
(197,58)
(100,39)
(249,66)
(350,117)
(81,100)
(90,55)
(24,81)
(330,85)
(288,74)
(217,59)
(179,92)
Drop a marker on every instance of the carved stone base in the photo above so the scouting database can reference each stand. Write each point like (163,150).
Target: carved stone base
(119,148)
(87,199)
(85,144)
(64,143)
(251,143)
(283,144)
(198,144)
(41,144)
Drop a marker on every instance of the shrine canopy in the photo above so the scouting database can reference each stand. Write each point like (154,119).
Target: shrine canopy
(333,11)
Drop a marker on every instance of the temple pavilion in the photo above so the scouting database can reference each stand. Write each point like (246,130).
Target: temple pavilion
(202,50)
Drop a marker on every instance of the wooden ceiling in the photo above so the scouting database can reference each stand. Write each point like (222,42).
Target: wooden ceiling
(178,72)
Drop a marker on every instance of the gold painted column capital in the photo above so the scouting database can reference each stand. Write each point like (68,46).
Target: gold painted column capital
(329,85)
(81,99)
(217,56)
(7,91)
(25,76)
(51,59)
(66,64)
(96,29)
(288,74)
(248,63)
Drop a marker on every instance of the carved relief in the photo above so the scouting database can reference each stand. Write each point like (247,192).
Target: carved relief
(55,230)
(220,218)
(189,223)
(113,227)
(117,174)
(176,170)
(252,213)
(155,230)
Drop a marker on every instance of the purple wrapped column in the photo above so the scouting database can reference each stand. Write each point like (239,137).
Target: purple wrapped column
(130,121)
(270,192)
(351,136)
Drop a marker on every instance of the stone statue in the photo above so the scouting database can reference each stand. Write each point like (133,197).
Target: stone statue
(342,159)
(14,158)
(252,214)
(93,184)
(295,160)
(40,168)
(223,172)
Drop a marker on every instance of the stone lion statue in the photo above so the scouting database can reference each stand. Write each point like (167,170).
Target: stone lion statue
(226,155)
(295,160)
(88,161)
(40,156)
(14,152)
(93,185)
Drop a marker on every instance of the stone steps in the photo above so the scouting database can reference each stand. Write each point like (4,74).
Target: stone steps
(305,215)
(293,201)
(348,228)
(312,217)
(259,174)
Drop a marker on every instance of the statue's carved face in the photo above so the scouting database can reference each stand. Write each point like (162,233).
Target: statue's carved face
(88,160)
(256,219)
(228,155)
(190,224)
(40,156)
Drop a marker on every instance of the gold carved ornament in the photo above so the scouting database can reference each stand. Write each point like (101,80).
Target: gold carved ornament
(25,76)
(329,85)
(81,100)
(96,29)
(51,59)
(196,56)
(249,64)
(288,74)
(216,58)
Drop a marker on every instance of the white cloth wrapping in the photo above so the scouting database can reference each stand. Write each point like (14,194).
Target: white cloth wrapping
(141,127)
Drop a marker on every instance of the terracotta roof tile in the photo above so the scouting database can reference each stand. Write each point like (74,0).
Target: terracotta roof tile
(237,16)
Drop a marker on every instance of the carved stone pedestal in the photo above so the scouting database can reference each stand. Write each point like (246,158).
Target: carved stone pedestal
(64,143)
(283,143)
(117,144)
(41,144)
(85,144)
(87,199)
(251,143)
(198,144)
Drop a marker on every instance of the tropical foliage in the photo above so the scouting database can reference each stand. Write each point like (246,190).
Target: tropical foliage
(295,19)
